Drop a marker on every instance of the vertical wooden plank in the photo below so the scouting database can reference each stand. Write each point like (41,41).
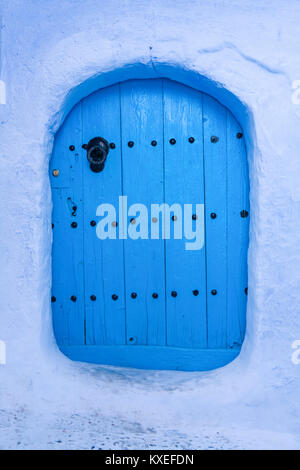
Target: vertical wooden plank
(184,184)
(215,155)
(141,106)
(60,308)
(67,250)
(238,231)
(104,273)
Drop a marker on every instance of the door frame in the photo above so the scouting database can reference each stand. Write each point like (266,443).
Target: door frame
(199,83)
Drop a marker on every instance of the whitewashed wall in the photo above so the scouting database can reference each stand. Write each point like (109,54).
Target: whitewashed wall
(247,55)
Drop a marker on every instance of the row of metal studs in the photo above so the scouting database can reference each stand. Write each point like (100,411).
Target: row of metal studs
(214,139)
(213,215)
(134,295)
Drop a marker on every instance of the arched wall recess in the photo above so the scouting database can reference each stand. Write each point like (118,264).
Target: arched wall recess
(150,303)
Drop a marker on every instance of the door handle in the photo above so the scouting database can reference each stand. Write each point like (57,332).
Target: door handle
(97,151)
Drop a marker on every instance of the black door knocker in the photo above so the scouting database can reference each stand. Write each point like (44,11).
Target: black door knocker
(97,151)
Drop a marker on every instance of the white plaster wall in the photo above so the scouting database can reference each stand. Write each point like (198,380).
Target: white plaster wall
(55,52)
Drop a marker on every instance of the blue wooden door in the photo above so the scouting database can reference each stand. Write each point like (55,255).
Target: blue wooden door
(176,165)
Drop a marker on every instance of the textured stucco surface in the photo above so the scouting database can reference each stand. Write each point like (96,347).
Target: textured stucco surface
(247,55)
